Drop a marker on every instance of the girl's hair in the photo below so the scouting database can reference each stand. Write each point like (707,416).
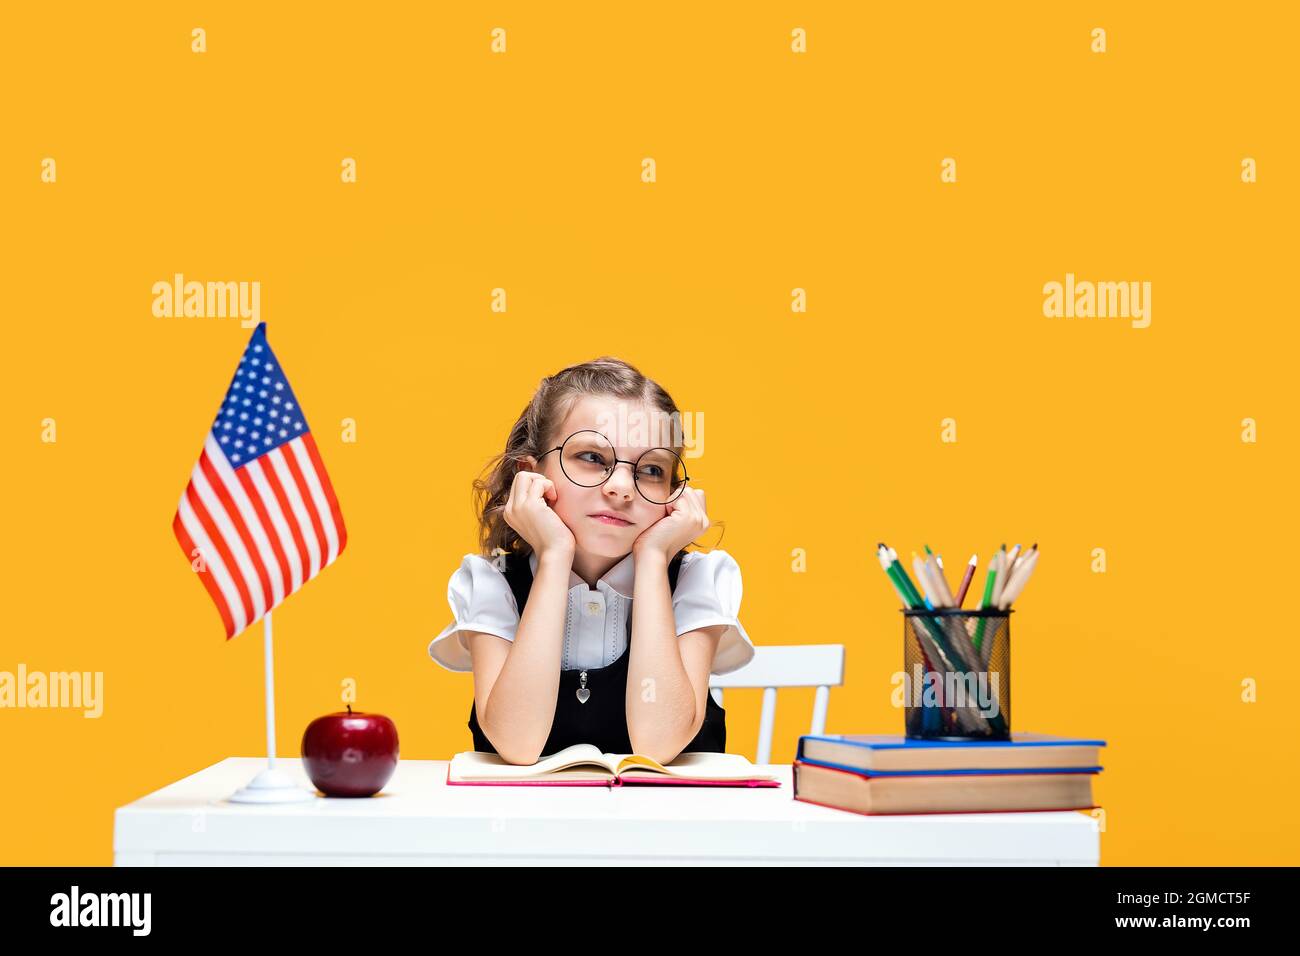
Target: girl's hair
(534,434)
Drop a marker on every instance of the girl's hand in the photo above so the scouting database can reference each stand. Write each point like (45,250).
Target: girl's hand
(529,511)
(685,521)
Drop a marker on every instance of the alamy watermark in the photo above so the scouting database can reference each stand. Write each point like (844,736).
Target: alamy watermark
(75,908)
(1084,299)
(922,688)
(636,429)
(71,689)
(190,299)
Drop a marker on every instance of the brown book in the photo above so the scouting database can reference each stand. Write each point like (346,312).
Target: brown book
(941,793)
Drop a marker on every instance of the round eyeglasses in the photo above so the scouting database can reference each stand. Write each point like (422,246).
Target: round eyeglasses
(587,459)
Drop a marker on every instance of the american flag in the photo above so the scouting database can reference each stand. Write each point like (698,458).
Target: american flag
(259,518)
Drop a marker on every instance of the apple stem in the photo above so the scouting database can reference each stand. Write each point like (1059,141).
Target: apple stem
(349,710)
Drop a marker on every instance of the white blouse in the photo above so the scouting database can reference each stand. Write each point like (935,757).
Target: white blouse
(596,620)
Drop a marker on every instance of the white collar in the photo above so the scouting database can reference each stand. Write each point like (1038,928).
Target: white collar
(619,579)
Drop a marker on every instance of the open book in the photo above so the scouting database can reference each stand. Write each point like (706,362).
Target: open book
(583,765)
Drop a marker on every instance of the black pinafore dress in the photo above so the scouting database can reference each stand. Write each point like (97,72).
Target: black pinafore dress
(601,720)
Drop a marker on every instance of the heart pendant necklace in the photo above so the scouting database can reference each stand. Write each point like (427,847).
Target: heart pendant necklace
(583,693)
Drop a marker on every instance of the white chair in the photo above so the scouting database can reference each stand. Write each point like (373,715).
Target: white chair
(802,665)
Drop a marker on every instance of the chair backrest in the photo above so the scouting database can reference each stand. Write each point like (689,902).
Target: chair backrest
(798,665)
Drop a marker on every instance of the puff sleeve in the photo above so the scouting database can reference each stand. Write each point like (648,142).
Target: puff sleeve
(708,593)
(481,600)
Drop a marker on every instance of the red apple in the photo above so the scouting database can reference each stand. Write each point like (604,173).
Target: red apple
(350,754)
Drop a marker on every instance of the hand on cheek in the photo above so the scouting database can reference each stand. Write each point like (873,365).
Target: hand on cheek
(685,519)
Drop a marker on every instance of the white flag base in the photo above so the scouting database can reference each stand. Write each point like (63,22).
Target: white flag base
(271,786)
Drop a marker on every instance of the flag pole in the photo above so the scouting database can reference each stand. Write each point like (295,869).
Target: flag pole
(270,692)
(271,785)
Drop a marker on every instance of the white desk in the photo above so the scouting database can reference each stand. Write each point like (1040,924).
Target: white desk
(418,820)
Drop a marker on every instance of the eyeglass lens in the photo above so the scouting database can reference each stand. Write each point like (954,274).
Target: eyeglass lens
(588,459)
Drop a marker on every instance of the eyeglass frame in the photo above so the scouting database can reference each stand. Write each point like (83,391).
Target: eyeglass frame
(617,461)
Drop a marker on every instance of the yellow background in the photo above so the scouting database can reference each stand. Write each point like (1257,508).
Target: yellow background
(822,430)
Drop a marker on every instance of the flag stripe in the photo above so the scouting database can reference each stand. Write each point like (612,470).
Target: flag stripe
(212,558)
(309,443)
(286,509)
(237,503)
(297,508)
(208,529)
(325,519)
(313,506)
(257,589)
(214,590)
(259,489)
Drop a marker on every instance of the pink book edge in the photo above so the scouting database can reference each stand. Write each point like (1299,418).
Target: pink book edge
(658,779)
(922,813)
(607,783)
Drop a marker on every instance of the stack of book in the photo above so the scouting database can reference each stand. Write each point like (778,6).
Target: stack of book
(874,773)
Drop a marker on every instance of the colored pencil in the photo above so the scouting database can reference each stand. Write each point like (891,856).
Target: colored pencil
(966,580)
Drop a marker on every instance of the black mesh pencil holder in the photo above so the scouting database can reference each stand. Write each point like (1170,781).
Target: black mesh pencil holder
(957,678)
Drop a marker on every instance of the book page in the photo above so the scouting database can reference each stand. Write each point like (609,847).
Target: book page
(476,765)
(695,766)
(625,762)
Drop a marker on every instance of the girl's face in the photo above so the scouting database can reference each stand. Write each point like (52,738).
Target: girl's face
(620,422)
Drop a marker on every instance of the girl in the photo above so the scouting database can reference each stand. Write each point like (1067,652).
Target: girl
(592,624)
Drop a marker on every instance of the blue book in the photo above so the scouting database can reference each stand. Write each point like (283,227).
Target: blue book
(891,755)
